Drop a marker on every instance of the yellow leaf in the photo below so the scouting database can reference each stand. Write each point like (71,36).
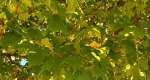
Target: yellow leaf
(24,16)
(71,37)
(128,70)
(27,3)
(46,43)
(20,10)
(102,50)
(96,56)
(72,4)
(2,15)
(10,49)
(48,3)
(117,77)
(89,34)
(77,46)
(145,1)
(12,7)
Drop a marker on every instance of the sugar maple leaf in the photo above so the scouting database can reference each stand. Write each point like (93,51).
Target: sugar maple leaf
(94,44)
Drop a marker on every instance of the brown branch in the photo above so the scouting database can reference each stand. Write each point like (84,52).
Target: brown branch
(137,17)
(115,33)
(147,8)
(4,26)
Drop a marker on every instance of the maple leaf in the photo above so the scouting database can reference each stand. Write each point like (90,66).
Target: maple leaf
(94,44)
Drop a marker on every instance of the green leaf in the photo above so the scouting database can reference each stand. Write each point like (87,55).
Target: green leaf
(131,58)
(56,23)
(114,55)
(130,51)
(33,33)
(83,75)
(143,62)
(47,65)
(10,40)
(35,69)
(135,73)
(97,71)
(7,12)
(1,63)
(74,62)
(68,75)
(35,58)
(56,62)
(1,1)
(52,63)
(46,13)
(55,37)
(24,44)
(36,55)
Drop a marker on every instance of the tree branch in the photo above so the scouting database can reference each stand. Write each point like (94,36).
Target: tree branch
(137,17)
(4,26)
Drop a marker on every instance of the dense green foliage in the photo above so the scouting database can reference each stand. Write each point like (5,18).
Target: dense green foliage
(75,39)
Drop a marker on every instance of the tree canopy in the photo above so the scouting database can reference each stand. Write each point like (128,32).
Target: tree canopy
(75,39)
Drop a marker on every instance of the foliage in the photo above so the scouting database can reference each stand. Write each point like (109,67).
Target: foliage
(75,39)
